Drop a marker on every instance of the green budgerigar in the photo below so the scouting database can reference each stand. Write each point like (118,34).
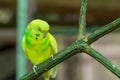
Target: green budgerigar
(39,45)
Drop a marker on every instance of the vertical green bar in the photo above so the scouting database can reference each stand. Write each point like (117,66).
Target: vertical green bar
(21,23)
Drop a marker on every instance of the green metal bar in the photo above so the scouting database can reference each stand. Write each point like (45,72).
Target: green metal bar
(21,23)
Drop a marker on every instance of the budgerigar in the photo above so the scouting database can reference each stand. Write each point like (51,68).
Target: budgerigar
(39,45)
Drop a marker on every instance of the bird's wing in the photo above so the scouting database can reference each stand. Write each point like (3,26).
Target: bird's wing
(24,47)
(53,44)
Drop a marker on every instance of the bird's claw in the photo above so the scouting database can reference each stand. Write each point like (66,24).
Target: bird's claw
(35,69)
(52,57)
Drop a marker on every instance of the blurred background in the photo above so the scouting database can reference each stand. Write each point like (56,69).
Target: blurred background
(62,15)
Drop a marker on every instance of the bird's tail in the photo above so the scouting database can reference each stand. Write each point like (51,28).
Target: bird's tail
(50,74)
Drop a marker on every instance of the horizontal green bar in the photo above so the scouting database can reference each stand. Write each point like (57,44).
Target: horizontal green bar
(73,30)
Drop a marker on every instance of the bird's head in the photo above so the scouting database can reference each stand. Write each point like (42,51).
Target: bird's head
(37,29)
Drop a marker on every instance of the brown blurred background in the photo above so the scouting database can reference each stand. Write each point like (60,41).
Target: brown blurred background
(62,15)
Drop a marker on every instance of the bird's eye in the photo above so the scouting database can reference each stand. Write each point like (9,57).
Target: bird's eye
(39,29)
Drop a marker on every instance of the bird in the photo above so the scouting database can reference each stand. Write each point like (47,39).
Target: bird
(39,44)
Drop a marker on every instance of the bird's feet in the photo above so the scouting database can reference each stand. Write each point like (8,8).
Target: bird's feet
(35,69)
(52,57)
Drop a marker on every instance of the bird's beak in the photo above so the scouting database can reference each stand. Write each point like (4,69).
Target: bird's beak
(37,35)
(44,34)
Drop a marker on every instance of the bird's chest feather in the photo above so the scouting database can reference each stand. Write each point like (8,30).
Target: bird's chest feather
(39,52)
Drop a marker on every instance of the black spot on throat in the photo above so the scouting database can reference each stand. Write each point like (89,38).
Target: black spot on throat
(36,38)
